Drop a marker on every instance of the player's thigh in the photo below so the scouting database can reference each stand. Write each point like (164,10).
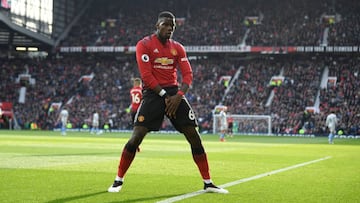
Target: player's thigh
(223,128)
(185,116)
(150,113)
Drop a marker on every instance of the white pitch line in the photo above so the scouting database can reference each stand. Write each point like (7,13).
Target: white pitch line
(199,192)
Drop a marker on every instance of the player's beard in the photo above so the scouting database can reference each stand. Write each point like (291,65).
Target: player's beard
(165,36)
(168,35)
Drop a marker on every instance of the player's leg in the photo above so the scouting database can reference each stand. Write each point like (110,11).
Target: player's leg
(149,118)
(92,129)
(186,123)
(97,129)
(127,156)
(63,128)
(200,159)
(331,135)
(222,134)
(133,114)
(230,131)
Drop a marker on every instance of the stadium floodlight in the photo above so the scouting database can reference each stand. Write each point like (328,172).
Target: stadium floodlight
(33,49)
(20,48)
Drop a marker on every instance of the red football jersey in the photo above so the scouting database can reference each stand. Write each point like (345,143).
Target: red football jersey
(158,63)
(136,96)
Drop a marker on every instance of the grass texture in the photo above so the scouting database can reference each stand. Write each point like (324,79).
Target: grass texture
(43,166)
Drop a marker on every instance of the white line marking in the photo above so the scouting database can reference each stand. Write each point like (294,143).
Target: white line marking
(199,192)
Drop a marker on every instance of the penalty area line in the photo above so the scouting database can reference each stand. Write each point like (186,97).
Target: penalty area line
(199,192)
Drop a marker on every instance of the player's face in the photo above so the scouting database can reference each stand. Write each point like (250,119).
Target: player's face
(166,28)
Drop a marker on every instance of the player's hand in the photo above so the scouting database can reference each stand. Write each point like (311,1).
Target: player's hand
(172,104)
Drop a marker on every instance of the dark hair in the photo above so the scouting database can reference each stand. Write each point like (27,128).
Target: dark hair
(166,14)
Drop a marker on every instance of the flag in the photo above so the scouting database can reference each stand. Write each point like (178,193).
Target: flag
(86,78)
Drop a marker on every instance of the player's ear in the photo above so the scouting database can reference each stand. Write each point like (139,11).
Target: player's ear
(157,28)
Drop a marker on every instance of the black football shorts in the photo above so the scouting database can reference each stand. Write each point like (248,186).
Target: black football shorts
(152,110)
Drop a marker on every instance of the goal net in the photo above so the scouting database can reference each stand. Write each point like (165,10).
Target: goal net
(245,124)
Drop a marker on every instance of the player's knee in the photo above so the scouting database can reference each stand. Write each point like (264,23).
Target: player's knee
(131,147)
(137,137)
(189,130)
(198,150)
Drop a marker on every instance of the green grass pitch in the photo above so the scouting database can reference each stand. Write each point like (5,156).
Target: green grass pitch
(43,166)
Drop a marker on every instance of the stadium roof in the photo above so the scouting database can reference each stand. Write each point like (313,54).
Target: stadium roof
(12,35)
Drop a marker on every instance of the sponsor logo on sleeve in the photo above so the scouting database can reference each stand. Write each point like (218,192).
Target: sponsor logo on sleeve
(145,58)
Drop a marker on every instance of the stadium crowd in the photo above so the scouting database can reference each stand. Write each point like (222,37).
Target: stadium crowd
(289,23)
(88,82)
(60,81)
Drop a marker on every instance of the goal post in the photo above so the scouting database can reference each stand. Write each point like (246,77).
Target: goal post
(245,124)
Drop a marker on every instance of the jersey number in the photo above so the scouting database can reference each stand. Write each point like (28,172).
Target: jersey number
(191,115)
(135,98)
